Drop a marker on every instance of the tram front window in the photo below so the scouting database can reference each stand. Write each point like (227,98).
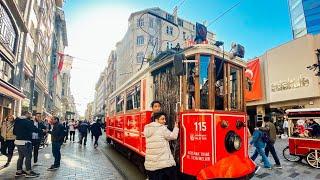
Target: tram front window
(219,84)
(204,81)
(234,85)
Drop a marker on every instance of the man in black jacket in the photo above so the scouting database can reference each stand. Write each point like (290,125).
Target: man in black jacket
(57,137)
(23,129)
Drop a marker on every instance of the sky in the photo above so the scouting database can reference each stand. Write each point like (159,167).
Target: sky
(95,26)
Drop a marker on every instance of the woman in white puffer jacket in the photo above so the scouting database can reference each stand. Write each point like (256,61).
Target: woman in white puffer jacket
(159,161)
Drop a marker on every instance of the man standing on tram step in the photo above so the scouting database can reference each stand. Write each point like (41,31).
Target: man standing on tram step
(23,129)
(83,130)
(270,129)
(36,138)
(156,107)
(72,129)
(58,134)
(96,131)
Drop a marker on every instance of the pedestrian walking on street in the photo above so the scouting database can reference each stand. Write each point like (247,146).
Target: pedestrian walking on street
(72,129)
(37,137)
(7,138)
(96,132)
(271,131)
(159,161)
(83,130)
(58,134)
(258,142)
(66,127)
(23,129)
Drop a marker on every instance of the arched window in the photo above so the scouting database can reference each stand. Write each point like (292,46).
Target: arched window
(8,34)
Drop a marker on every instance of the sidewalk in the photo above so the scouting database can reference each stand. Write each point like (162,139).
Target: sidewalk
(77,162)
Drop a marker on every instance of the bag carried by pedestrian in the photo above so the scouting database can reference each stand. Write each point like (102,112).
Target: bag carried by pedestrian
(265,137)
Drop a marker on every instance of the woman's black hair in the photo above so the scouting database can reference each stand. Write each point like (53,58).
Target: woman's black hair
(155,102)
(157,115)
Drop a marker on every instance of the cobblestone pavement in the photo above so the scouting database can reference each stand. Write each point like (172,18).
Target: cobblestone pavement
(77,162)
(291,170)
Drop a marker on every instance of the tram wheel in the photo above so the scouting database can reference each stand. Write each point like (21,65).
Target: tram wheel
(289,157)
(313,159)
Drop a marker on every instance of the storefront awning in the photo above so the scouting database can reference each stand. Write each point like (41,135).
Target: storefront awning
(11,91)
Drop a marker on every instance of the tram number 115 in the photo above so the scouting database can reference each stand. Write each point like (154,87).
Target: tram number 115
(200,126)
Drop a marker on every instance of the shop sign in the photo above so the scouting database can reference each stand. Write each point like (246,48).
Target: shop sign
(290,83)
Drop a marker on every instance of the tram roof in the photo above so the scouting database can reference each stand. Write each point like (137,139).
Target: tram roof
(167,56)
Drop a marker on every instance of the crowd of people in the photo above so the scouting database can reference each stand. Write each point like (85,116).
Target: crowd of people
(29,132)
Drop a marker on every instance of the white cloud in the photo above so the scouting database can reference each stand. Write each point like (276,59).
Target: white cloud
(92,34)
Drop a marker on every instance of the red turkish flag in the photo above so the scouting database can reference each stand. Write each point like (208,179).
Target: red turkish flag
(253,89)
(61,59)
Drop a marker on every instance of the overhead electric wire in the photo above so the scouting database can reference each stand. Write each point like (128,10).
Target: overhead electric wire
(221,15)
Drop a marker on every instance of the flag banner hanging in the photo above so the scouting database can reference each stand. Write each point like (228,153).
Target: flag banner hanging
(201,33)
(253,89)
(61,59)
(67,63)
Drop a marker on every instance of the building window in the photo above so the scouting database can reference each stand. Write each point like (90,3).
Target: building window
(151,22)
(170,30)
(151,40)
(180,22)
(140,22)
(8,34)
(140,40)
(184,36)
(169,17)
(6,71)
(140,57)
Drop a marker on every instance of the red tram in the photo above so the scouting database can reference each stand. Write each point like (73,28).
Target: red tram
(203,87)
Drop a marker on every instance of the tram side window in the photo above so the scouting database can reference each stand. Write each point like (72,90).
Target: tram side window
(204,81)
(219,85)
(129,102)
(112,107)
(234,85)
(137,98)
(119,103)
(133,99)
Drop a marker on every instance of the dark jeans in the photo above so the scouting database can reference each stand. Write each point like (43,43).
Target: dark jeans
(83,136)
(169,173)
(7,148)
(24,151)
(56,146)
(96,139)
(270,147)
(36,145)
(66,137)
(72,134)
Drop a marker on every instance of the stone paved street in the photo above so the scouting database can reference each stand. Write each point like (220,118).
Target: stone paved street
(78,162)
(291,170)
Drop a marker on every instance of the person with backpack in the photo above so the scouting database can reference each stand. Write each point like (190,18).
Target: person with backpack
(270,139)
(259,143)
(96,132)
(58,134)
(83,130)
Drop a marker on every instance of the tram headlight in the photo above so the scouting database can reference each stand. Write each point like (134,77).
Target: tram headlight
(232,142)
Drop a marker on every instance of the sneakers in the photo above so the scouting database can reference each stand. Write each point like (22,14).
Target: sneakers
(20,173)
(52,168)
(277,166)
(257,169)
(32,174)
(37,164)
(269,168)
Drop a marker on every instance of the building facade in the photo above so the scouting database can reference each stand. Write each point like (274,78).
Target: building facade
(12,31)
(285,80)
(89,111)
(100,96)
(305,17)
(151,31)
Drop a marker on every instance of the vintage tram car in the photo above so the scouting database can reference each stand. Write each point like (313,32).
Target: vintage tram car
(201,85)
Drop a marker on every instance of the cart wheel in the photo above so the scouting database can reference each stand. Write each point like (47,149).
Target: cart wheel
(289,157)
(313,159)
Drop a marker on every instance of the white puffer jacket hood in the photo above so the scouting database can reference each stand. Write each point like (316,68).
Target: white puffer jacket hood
(158,153)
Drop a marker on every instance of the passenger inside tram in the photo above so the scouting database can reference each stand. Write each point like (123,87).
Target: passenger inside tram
(191,88)
(219,94)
